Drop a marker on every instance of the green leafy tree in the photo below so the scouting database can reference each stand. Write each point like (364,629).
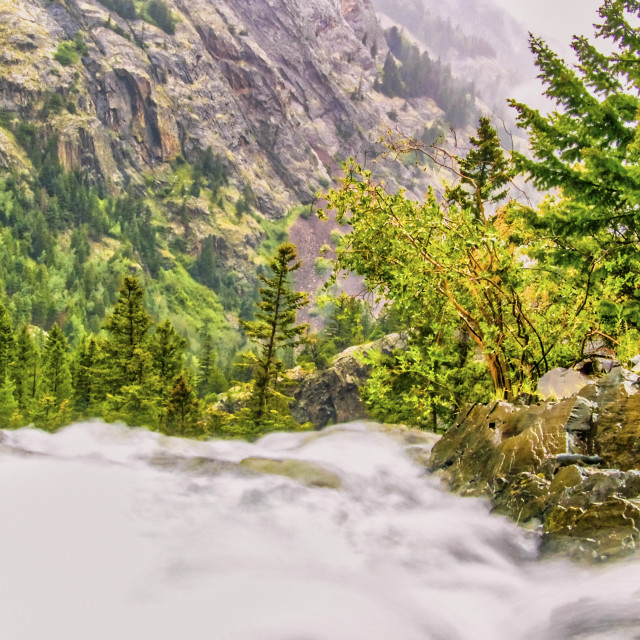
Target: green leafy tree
(274,328)
(455,270)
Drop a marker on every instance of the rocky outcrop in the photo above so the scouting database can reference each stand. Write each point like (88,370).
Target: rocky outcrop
(332,395)
(569,467)
(306,473)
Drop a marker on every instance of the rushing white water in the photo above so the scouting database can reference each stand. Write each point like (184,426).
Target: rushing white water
(122,534)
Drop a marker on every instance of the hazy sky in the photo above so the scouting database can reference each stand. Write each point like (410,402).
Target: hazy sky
(555,20)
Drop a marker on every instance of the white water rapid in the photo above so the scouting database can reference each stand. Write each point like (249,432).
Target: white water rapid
(121,534)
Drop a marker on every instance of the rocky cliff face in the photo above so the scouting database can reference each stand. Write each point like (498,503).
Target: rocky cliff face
(282,89)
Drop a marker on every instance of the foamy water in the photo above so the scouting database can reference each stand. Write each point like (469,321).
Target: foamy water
(107,534)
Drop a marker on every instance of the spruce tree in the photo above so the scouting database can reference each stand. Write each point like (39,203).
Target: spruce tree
(25,370)
(588,148)
(210,378)
(183,408)
(127,326)
(6,342)
(10,417)
(55,388)
(85,374)
(274,327)
(485,172)
(167,349)
(56,378)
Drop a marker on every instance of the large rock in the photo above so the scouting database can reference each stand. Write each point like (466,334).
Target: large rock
(306,473)
(332,395)
(569,466)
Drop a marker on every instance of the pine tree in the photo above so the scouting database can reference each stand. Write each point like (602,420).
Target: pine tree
(85,374)
(9,412)
(127,326)
(183,409)
(55,388)
(25,370)
(56,378)
(485,172)
(166,348)
(6,342)
(210,377)
(274,327)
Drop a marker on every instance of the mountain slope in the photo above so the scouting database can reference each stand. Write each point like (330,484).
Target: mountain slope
(267,85)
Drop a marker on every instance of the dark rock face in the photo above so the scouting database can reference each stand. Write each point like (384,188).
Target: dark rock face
(332,395)
(568,466)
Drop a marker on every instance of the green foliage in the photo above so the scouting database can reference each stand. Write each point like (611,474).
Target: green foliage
(56,377)
(322,266)
(183,409)
(127,326)
(588,148)
(69,51)
(167,356)
(160,13)
(66,54)
(461,275)
(348,321)
(124,8)
(274,330)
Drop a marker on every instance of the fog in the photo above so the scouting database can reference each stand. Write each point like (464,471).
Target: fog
(555,20)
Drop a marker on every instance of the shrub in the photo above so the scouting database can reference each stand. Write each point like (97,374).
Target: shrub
(159,12)
(67,53)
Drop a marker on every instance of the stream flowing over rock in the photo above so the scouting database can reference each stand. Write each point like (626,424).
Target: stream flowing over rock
(110,532)
(570,465)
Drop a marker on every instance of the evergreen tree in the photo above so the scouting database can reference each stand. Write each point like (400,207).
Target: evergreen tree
(9,411)
(56,378)
(6,342)
(485,172)
(127,326)
(25,370)
(588,148)
(55,387)
(210,378)
(167,349)
(85,374)
(274,327)
(183,409)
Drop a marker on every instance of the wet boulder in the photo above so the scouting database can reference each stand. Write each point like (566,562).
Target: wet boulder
(569,466)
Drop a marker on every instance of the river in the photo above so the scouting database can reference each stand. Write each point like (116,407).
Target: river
(122,534)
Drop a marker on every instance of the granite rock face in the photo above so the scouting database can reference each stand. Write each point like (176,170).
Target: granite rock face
(571,467)
(281,89)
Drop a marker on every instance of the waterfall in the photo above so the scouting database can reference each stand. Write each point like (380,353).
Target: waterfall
(122,534)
